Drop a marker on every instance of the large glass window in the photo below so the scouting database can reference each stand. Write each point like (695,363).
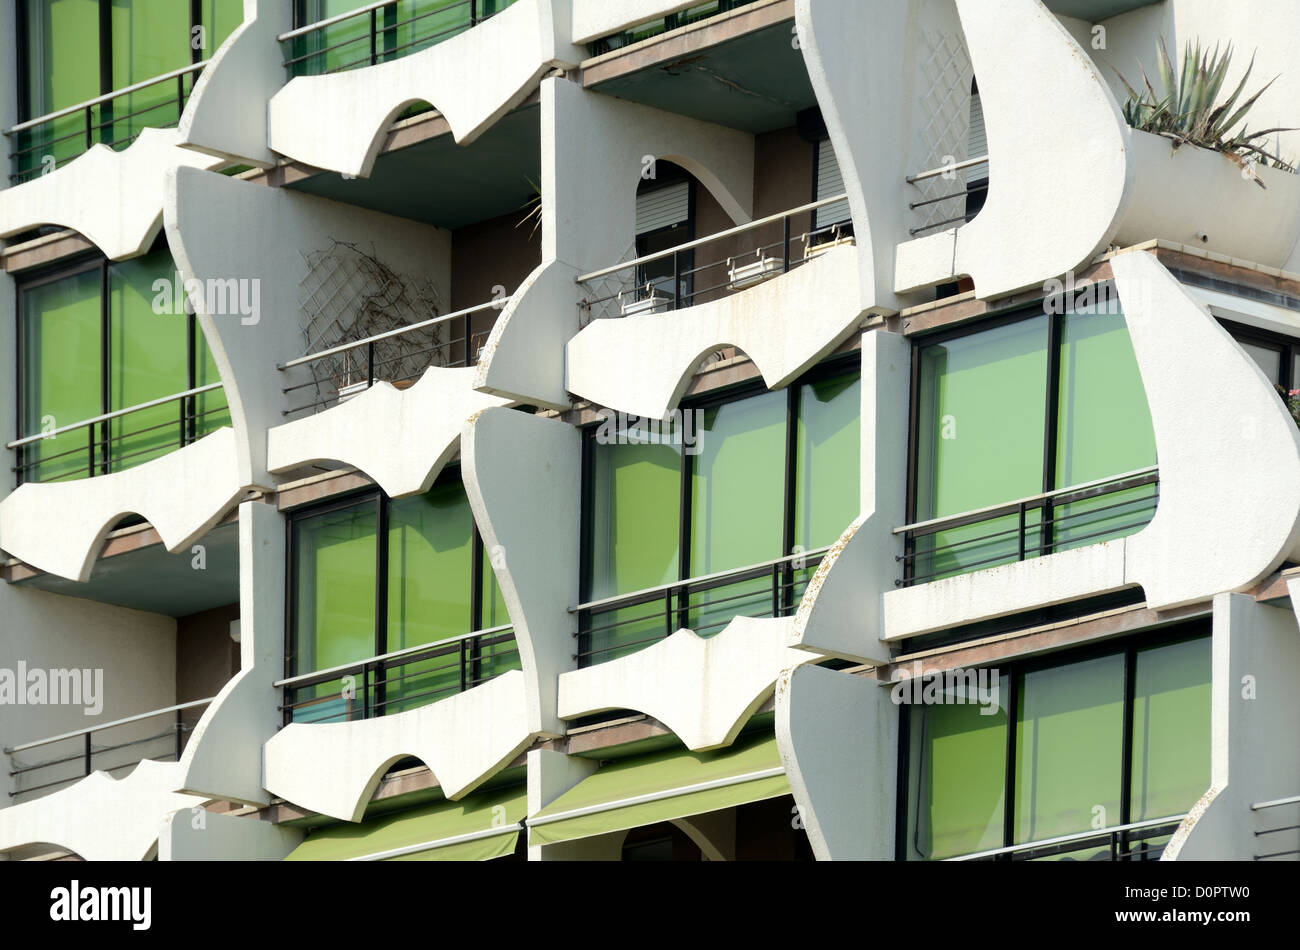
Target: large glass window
(1097,739)
(1031,405)
(77,50)
(91,343)
(741,482)
(373,576)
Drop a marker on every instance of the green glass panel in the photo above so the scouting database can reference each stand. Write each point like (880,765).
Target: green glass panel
(1069,743)
(636,496)
(343,45)
(150,37)
(63,70)
(429,591)
(828,494)
(738,484)
(1103,429)
(498,653)
(959,783)
(60,372)
(980,440)
(211,409)
(1171,729)
(220,19)
(334,609)
(147,360)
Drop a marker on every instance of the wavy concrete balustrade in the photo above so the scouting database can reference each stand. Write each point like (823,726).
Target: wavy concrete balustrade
(401,438)
(114,199)
(225,114)
(703,689)
(1229,455)
(338,121)
(642,364)
(59,527)
(100,818)
(1055,194)
(334,768)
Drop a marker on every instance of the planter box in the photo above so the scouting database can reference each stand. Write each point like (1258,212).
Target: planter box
(741,276)
(654,303)
(1181,195)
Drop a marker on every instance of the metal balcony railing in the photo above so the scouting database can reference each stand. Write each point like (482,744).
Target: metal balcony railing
(671,279)
(613,627)
(661,25)
(1132,842)
(949,172)
(1277,846)
(109,448)
(71,756)
(399,356)
(37,140)
(1031,527)
(373,33)
(401,680)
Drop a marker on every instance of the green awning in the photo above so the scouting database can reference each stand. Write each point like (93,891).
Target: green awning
(643,791)
(477,828)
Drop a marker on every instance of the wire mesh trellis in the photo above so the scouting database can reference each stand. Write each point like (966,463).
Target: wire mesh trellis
(348,295)
(603,292)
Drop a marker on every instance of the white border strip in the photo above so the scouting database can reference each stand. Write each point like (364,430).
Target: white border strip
(441,843)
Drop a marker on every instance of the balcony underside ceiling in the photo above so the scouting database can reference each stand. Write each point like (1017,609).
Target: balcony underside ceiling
(1094,11)
(756,82)
(151,579)
(439,182)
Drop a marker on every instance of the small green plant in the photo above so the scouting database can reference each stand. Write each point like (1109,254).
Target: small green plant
(1291,399)
(1185,109)
(534,208)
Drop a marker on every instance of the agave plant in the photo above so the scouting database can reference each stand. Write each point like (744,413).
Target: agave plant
(1185,109)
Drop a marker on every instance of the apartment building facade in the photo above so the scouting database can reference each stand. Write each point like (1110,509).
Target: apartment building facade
(644,430)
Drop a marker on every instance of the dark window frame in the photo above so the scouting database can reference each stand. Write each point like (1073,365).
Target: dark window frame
(81,264)
(1287,348)
(1196,629)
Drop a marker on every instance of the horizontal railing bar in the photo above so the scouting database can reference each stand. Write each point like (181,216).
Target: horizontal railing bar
(109,725)
(913,205)
(1078,836)
(677,585)
(337,18)
(115,414)
(108,97)
(700,242)
(345,347)
(1260,806)
(385,657)
(943,169)
(1012,507)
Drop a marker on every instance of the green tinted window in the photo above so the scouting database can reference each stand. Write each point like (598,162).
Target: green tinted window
(335,605)
(1068,748)
(1171,729)
(147,360)
(960,777)
(61,370)
(220,19)
(636,497)
(63,70)
(429,540)
(828,460)
(150,37)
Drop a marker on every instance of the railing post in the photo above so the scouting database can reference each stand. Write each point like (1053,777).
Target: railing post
(180,96)
(370,364)
(466,327)
(374,48)
(365,690)
(668,612)
(785,245)
(180,733)
(88,752)
(473,13)
(90,450)
(677,280)
(464,659)
(1021,533)
(776,589)
(89,133)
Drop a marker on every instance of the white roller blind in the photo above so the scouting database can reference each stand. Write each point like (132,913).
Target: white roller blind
(830,182)
(663,207)
(978,141)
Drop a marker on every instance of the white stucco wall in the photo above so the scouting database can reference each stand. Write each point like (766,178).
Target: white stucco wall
(589,220)
(1255,716)
(200,835)
(703,689)
(529,514)
(838,736)
(209,219)
(59,527)
(226,114)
